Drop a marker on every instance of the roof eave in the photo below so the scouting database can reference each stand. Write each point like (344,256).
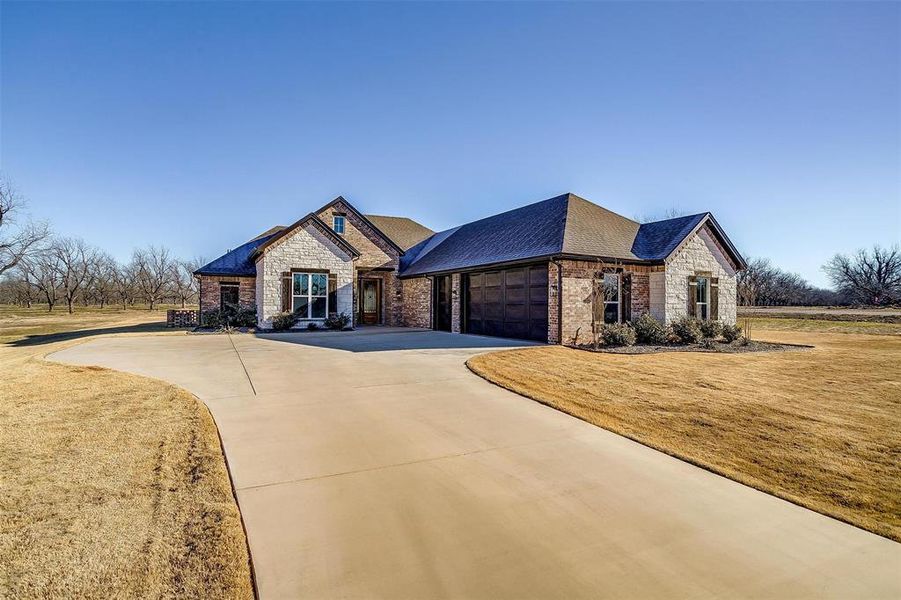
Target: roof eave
(530,260)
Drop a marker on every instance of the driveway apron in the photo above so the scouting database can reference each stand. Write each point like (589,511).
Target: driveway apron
(374,464)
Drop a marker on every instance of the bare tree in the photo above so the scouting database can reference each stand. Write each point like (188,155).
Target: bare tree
(43,273)
(15,288)
(124,284)
(868,276)
(75,260)
(103,279)
(153,268)
(16,242)
(762,284)
(184,285)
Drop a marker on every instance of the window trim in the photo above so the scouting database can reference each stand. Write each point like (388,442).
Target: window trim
(230,285)
(706,302)
(619,296)
(309,295)
(343,224)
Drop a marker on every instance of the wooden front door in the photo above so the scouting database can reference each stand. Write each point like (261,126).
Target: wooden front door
(370,301)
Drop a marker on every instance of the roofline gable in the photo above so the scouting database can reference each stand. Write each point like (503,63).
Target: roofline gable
(319,223)
(363,218)
(708,217)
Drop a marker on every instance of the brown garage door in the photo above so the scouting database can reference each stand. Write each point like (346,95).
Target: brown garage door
(508,303)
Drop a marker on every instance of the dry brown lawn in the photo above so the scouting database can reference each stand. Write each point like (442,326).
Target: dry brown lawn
(820,427)
(766,324)
(111,485)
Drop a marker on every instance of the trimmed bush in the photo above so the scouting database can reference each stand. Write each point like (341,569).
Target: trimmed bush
(312,326)
(284,321)
(618,335)
(211,319)
(649,330)
(685,330)
(707,343)
(339,322)
(731,332)
(711,329)
(239,316)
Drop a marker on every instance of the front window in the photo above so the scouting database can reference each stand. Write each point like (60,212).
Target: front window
(338,224)
(310,295)
(611,298)
(228,294)
(702,295)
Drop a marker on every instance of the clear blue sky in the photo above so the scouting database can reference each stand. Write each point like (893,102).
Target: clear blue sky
(199,125)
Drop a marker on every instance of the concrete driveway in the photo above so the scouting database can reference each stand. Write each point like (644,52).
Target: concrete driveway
(373,464)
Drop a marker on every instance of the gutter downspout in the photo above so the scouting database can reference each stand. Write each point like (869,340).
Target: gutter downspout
(559,265)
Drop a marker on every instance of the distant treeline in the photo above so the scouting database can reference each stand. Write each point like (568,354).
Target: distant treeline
(867,277)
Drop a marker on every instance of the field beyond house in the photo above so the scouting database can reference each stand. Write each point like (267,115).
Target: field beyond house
(818,427)
(113,485)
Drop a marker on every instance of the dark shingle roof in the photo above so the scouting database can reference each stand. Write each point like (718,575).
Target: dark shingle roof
(657,240)
(404,232)
(528,232)
(238,261)
(563,225)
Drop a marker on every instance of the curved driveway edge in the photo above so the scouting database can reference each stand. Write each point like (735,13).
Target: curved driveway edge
(374,464)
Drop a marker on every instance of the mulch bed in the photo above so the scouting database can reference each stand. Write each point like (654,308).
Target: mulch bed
(718,347)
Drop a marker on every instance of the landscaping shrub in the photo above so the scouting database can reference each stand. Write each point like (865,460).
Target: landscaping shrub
(211,319)
(239,316)
(649,330)
(312,326)
(685,330)
(711,329)
(707,343)
(339,321)
(618,335)
(284,321)
(731,332)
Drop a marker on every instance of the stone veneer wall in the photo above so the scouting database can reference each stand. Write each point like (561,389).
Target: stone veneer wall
(417,302)
(699,254)
(305,248)
(209,290)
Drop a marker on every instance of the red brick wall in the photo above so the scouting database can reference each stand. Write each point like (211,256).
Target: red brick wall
(209,290)
(577,301)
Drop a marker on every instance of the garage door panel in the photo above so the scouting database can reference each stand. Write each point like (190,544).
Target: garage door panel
(514,277)
(515,295)
(494,310)
(509,303)
(494,279)
(516,312)
(538,277)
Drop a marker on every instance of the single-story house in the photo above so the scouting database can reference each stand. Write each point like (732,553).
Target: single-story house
(549,271)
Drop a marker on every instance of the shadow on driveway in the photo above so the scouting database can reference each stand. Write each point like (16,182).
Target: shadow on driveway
(49,338)
(383,339)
